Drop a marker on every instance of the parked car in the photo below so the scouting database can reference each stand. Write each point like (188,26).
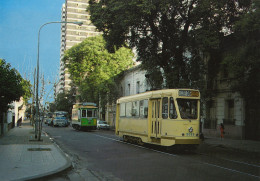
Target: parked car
(102,125)
(60,121)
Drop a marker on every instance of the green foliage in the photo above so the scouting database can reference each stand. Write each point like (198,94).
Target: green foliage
(62,103)
(12,86)
(169,34)
(52,107)
(27,90)
(243,55)
(93,69)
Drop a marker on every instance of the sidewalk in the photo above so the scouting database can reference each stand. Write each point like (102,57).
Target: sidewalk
(23,158)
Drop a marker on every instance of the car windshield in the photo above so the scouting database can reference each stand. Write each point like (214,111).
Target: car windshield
(60,117)
(102,122)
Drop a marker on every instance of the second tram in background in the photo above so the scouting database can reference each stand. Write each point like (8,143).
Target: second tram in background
(84,116)
(164,117)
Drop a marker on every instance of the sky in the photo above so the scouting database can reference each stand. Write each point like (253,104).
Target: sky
(20,21)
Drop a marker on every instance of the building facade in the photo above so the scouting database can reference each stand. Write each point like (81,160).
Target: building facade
(225,107)
(72,34)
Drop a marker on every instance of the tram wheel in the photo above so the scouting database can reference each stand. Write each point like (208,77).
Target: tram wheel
(125,138)
(140,142)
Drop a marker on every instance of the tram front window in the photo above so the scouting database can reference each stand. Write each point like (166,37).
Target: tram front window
(89,113)
(188,108)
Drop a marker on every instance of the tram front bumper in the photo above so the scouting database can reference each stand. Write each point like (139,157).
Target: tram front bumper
(170,141)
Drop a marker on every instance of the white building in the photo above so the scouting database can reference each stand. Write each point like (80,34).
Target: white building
(13,114)
(134,82)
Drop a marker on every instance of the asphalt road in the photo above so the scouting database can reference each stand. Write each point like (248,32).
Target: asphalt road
(104,155)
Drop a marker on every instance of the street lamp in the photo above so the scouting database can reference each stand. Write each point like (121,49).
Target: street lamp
(37,78)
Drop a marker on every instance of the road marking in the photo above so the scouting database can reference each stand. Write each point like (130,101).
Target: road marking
(229,169)
(250,164)
(243,163)
(56,136)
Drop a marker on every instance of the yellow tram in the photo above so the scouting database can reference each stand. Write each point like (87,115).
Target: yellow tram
(163,117)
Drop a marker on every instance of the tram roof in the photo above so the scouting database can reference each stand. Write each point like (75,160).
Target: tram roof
(154,94)
(83,106)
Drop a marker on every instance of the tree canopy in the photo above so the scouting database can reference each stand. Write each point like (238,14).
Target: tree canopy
(169,34)
(93,69)
(12,86)
(62,103)
(242,56)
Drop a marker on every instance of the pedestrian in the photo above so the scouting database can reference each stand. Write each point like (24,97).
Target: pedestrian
(222,132)
(19,122)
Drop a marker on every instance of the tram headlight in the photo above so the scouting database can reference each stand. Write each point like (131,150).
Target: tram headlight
(190,129)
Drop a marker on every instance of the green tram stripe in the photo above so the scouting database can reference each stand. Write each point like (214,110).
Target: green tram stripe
(88,121)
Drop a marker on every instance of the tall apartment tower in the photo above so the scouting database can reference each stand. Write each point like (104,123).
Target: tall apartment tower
(72,34)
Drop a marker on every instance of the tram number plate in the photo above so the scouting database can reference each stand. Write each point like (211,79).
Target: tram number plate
(190,134)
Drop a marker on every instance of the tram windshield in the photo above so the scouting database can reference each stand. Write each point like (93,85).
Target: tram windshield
(89,113)
(188,108)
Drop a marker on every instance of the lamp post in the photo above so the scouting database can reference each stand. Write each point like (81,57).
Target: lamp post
(38,121)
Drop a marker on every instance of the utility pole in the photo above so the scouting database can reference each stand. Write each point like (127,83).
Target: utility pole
(32,107)
(40,117)
(38,121)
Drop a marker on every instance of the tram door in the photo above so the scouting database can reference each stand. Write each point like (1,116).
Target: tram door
(156,120)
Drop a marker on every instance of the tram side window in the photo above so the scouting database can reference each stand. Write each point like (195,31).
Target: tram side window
(172,109)
(122,110)
(128,109)
(83,113)
(135,109)
(165,108)
(79,113)
(144,108)
(89,113)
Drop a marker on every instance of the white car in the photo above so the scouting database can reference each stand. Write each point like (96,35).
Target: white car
(102,125)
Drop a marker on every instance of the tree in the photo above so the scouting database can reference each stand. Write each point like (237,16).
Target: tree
(52,107)
(168,35)
(93,69)
(26,85)
(63,103)
(12,86)
(243,55)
